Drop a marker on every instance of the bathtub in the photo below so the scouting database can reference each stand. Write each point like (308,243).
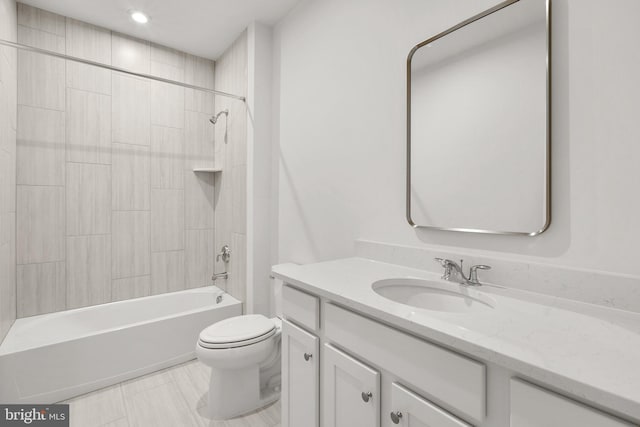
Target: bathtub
(53,357)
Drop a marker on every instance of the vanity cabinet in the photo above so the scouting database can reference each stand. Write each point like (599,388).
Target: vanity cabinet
(300,377)
(453,381)
(344,369)
(411,410)
(351,392)
(302,308)
(532,406)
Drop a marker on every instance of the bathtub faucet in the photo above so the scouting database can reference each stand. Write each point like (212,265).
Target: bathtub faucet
(217,276)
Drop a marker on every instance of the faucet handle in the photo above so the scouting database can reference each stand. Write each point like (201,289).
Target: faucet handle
(446,264)
(473,273)
(225,254)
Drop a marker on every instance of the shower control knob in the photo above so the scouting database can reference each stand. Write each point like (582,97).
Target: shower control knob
(308,356)
(396,417)
(225,254)
(366,396)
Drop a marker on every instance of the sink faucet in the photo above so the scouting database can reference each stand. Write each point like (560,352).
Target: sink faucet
(451,266)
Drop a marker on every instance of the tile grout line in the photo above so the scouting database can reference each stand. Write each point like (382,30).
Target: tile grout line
(66,225)
(184,178)
(124,403)
(148,155)
(111,267)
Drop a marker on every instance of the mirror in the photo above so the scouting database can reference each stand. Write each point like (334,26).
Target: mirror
(478,124)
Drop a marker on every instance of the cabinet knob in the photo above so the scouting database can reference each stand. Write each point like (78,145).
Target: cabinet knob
(308,356)
(396,416)
(366,396)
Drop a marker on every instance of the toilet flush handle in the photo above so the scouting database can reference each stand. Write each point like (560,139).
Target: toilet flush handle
(308,356)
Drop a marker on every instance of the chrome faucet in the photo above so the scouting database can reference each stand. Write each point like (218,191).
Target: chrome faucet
(451,266)
(224,275)
(225,254)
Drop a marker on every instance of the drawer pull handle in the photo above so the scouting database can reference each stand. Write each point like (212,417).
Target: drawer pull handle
(366,396)
(396,416)
(308,356)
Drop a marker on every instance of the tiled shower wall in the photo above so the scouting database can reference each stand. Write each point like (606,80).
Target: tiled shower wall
(8,85)
(108,207)
(231,153)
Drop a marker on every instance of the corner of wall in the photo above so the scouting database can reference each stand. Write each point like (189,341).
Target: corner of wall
(231,156)
(259,168)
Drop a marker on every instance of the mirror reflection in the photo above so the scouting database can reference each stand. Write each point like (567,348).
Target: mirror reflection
(478,134)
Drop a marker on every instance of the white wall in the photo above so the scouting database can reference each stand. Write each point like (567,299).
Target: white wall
(259,220)
(339,86)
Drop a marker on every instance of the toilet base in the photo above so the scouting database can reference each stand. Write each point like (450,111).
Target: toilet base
(236,392)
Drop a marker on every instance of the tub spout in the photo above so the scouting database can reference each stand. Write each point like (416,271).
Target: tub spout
(217,276)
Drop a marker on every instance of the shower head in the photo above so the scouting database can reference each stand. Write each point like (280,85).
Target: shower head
(214,119)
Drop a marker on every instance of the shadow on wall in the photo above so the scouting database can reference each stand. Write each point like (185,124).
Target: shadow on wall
(295,196)
(557,239)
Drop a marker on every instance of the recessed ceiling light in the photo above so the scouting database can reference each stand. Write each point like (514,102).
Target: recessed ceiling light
(139,17)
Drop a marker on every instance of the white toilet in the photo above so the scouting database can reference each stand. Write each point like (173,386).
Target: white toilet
(244,355)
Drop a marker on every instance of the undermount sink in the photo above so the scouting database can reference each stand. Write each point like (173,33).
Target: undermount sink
(432,295)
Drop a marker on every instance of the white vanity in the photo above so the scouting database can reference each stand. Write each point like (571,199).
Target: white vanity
(360,349)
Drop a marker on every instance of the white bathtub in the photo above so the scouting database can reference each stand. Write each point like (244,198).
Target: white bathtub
(52,357)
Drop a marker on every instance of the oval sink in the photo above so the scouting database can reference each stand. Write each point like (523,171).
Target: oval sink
(431,295)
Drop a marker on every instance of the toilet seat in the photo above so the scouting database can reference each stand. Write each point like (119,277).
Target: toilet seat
(236,343)
(237,331)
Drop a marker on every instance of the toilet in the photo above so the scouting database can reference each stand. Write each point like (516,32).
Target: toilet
(244,355)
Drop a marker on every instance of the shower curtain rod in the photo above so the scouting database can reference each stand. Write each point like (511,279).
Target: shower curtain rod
(119,70)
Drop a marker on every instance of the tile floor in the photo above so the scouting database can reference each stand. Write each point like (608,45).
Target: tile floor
(174,397)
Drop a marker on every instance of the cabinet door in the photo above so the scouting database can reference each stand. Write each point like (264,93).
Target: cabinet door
(300,377)
(411,410)
(532,406)
(351,391)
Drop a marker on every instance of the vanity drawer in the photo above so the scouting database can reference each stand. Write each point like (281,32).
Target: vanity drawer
(450,380)
(532,406)
(301,308)
(408,405)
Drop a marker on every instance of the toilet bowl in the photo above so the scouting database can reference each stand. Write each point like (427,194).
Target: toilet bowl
(244,355)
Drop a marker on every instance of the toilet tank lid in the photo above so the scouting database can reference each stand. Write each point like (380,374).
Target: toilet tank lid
(239,328)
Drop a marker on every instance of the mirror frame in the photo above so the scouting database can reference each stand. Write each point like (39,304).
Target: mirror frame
(547,184)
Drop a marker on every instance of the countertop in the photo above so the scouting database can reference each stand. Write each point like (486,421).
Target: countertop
(588,351)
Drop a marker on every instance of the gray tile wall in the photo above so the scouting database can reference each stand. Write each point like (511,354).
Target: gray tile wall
(108,207)
(231,151)
(8,126)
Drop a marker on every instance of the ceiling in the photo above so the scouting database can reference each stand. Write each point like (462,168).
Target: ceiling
(200,27)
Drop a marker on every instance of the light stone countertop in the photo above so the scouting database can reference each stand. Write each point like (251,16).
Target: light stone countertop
(588,351)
